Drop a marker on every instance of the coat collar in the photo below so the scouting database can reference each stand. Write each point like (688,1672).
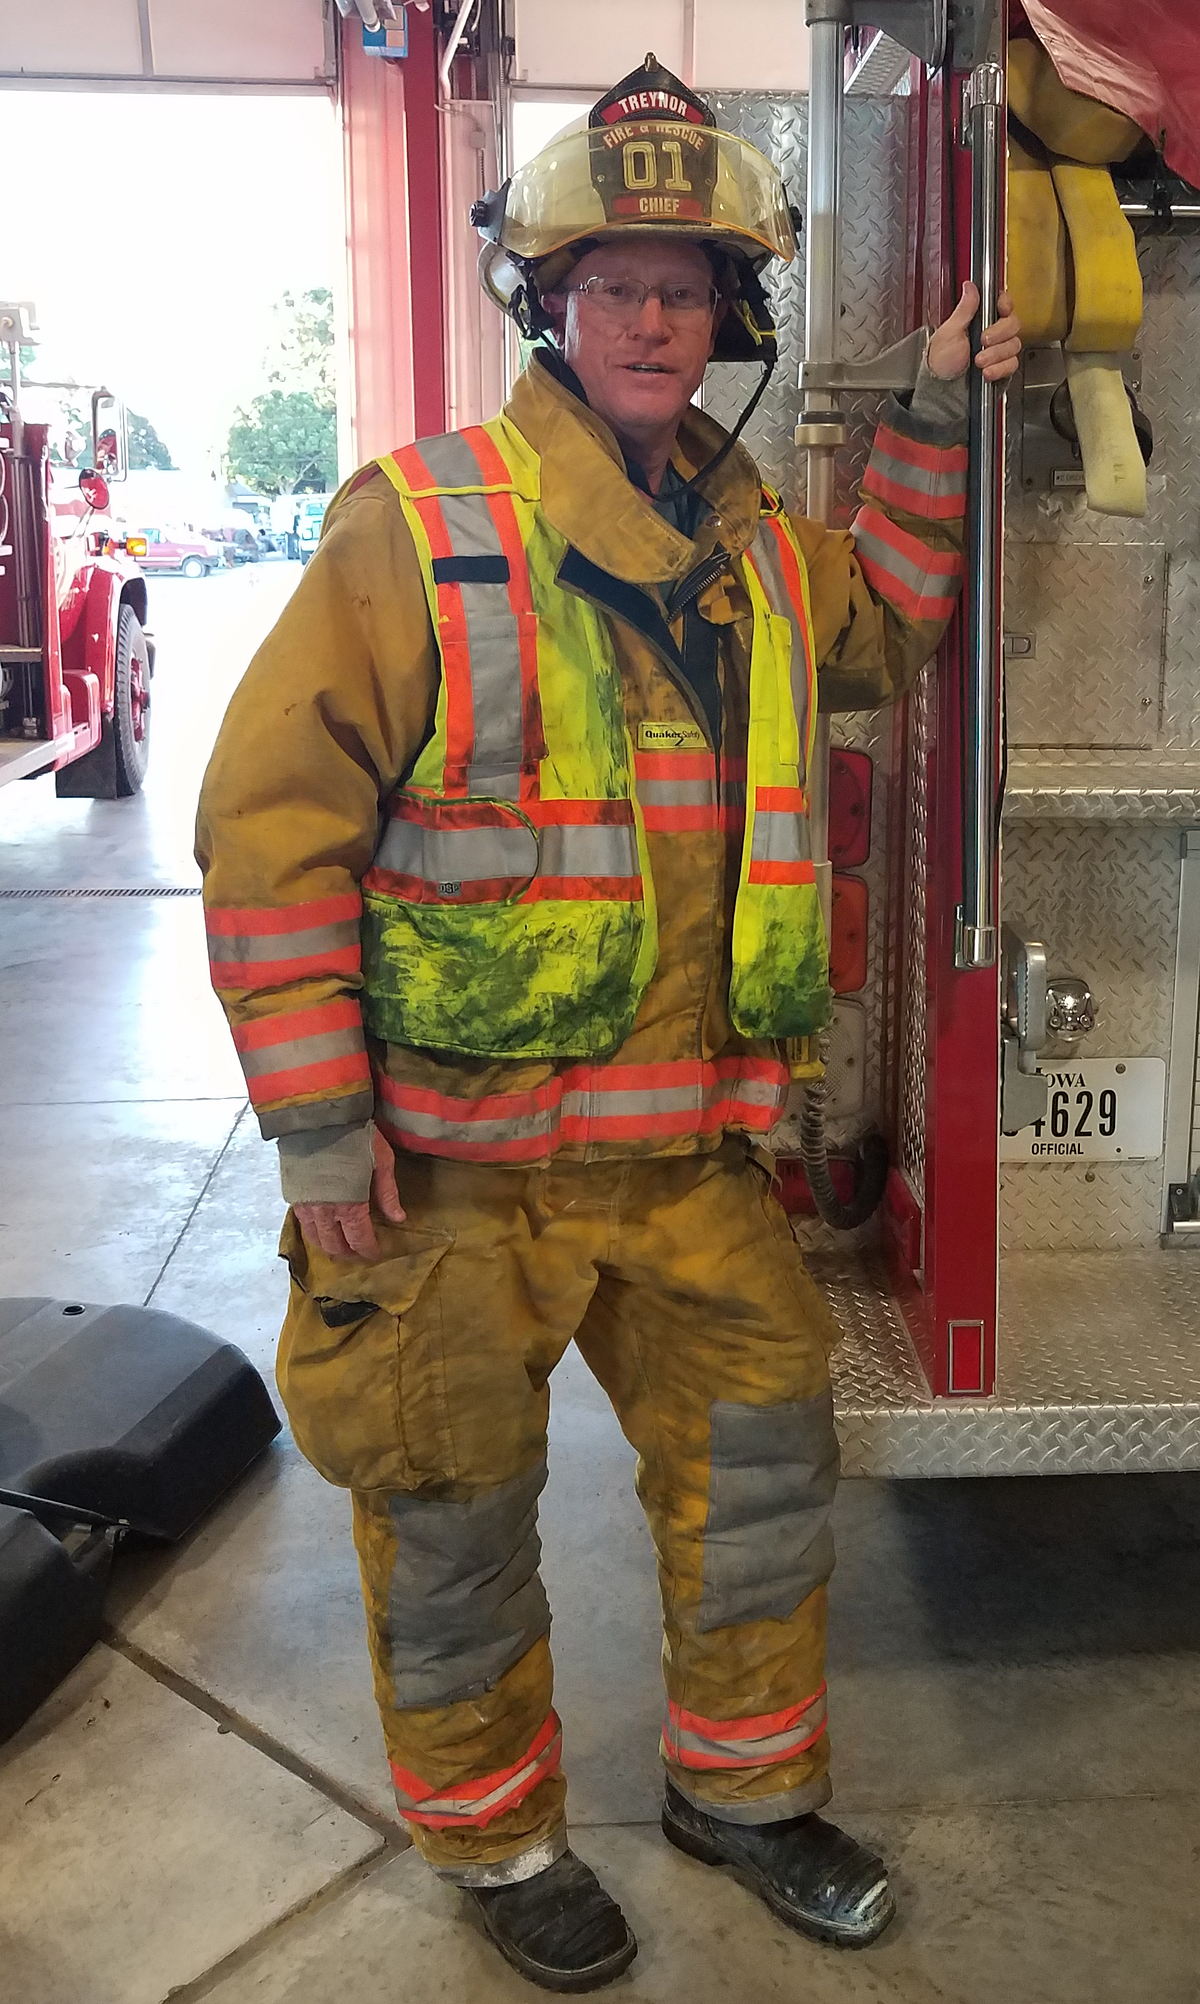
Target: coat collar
(588,497)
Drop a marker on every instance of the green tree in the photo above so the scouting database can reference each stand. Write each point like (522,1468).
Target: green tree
(301,356)
(145,446)
(284,444)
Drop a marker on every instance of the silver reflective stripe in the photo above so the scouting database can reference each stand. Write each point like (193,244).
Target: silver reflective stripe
(780,838)
(920,578)
(770,569)
(597,1103)
(465,1601)
(493,637)
(451,461)
(767,1542)
(442,856)
(919,479)
(605,849)
(480,1133)
(675,792)
(754,1752)
(309,945)
(302,1051)
(458,855)
(469,1808)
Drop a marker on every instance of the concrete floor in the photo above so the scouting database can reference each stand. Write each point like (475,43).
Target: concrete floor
(202,1809)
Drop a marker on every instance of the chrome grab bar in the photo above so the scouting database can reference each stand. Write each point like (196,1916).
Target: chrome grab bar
(975,931)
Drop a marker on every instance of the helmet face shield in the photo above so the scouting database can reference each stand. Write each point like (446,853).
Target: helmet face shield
(647,174)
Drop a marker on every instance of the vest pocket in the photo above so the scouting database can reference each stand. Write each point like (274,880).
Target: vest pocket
(361,1369)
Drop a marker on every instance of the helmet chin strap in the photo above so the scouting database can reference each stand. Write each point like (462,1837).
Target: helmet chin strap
(724,451)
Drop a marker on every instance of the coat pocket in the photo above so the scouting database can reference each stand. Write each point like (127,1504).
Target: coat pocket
(361,1369)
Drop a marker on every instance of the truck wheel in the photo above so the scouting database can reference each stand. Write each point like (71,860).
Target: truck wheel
(131,704)
(193,567)
(116,767)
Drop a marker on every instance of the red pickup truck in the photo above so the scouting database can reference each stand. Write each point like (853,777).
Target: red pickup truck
(171,550)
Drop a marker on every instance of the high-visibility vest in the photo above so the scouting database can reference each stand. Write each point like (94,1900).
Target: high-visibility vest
(509,910)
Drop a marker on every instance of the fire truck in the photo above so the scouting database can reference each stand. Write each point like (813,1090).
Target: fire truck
(76,659)
(1012,853)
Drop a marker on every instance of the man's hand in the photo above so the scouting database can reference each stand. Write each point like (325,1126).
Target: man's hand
(345,1231)
(949,350)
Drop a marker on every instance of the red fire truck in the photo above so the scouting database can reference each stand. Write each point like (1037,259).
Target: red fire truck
(75,657)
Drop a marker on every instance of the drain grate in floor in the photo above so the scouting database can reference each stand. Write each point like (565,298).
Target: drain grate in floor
(105,891)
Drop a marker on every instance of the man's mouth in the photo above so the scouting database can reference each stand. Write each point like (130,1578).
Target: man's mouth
(647,369)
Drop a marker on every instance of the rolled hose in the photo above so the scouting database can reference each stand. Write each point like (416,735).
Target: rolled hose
(870,1168)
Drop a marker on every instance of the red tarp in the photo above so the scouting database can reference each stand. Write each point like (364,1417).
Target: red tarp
(1142,56)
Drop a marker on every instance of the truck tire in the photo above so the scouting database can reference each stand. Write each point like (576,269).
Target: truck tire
(116,767)
(193,567)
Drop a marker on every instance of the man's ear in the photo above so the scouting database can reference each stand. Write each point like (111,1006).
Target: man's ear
(554,306)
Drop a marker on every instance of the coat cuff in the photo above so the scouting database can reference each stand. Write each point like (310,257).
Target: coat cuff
(327,1165)
(934,411)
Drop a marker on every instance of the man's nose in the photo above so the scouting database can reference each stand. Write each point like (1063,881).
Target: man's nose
(651,319)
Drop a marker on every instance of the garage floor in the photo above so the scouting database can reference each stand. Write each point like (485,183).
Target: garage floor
(202,1809)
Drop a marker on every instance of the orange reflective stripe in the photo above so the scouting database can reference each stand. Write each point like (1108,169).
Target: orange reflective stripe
(920,582)
(472,1805)
(763,1741)
(268,947)
(587,1103)
(520,597)
(677,791)
(453,639)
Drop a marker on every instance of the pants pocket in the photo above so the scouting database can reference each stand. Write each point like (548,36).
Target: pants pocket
(361,1370)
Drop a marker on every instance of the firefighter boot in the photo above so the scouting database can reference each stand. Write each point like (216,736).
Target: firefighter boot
(560,1928)
(811,1874)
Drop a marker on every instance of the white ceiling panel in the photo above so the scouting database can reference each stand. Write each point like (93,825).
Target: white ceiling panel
(155,42)
(576,45)
(279,40)
(93,36)
(751,45)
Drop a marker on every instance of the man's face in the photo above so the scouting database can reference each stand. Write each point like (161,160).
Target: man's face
(639,370)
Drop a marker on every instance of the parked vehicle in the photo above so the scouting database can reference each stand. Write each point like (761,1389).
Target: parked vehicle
(309,517)
(177,550)
(75,657)
(239,546)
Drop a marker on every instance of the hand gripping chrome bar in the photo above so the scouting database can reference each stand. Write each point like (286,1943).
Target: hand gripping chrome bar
(975,931)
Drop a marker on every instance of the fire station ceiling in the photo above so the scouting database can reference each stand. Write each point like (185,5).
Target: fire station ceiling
(713,44)
(184,44)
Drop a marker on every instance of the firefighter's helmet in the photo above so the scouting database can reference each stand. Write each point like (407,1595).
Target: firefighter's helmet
(650,159)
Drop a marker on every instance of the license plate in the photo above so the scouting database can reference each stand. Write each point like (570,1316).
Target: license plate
(1099,1110)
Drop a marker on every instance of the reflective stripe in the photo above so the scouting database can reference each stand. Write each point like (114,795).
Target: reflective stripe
(920,582)
(764,1741)
(487,631)
(587,1103)
(474,1804)
(925,480)
(677,791)
(780,849)
(266,948)
(460,852)
(305,1050)
(779,572)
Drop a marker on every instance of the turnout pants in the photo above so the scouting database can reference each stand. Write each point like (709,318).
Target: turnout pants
(421,1382)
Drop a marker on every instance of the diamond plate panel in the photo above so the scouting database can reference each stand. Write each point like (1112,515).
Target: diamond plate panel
(874,220)
(1105,899)
(1099,1372)
(873,254)
(1042,789)
(1095,614)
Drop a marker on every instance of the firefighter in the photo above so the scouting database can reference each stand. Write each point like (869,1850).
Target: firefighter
(512,909)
